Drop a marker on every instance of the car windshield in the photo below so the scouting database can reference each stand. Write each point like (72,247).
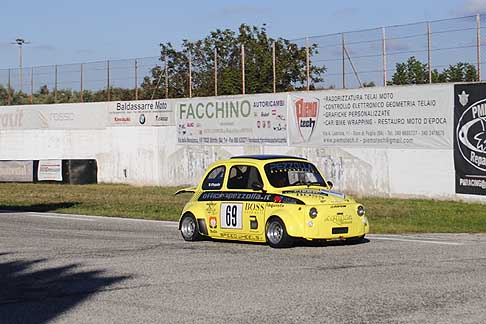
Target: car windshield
(293,173)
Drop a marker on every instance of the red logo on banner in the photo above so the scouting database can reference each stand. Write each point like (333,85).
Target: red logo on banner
(306,113)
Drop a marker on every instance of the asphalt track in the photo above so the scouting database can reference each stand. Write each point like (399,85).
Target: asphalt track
(84,269)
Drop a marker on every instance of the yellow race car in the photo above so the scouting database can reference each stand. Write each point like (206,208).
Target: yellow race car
(269,198)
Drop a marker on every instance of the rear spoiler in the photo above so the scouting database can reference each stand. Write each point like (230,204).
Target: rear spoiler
(186,190)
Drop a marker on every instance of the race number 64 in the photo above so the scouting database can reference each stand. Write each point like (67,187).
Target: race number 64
(230,216)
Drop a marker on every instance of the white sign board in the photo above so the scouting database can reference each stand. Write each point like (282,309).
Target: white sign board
(49,170)
(233,120)
(392,117)
(140,113)
(62,116)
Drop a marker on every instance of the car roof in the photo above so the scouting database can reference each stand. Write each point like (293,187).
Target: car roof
(267,157)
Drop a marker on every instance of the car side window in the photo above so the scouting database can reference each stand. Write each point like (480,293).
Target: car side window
(243,177)
(214,179)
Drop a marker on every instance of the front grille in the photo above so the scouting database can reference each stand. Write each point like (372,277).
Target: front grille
(339,230)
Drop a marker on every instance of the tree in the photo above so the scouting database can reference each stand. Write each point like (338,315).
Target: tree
(411,72)
(290,67)
(460,72)
(415,72)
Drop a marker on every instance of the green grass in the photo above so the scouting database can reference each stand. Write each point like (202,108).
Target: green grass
(386,215)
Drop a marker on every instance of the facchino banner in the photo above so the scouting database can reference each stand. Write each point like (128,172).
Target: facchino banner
(392,117)
(470,138)
(66,116)
(141,113)
(235,120)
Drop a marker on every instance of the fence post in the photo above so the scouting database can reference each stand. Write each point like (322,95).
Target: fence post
(344,61)
(190,75)
(166,76)
(55,83)
(243,68)
(307,62)
(274,60)
(136,79)
(108,95)
(31,97)
(9,95)
(383,38)
(81,83)
(478,44)
(429,54)
(215,71)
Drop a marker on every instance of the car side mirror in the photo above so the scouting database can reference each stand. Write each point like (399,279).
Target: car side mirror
(257,186)
(330,184)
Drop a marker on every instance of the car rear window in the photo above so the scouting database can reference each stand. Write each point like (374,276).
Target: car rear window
(214,180)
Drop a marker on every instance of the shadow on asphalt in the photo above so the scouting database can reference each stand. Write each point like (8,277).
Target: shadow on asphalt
(297,242)
(32,293)
(37,207)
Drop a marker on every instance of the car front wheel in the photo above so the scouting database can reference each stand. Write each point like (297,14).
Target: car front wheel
(276,234)
(189,228)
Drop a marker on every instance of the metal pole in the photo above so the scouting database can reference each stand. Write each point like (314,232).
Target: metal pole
(353,67)
(190,75)
(383,38)
(478,46)
(81,83)
(21,76)
(274,69)
(9,95)
(166,76)
(344,58)
(429,54)
(136,81)
(243,68)
(108,95)
(31,97)
(55,83)
(215,71)
(307,62)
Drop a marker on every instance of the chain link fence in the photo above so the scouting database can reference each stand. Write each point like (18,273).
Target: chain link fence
(351,59)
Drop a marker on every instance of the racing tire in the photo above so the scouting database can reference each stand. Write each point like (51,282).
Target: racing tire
(276,234)
(189,228)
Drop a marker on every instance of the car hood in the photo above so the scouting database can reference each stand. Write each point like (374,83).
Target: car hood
(314,196)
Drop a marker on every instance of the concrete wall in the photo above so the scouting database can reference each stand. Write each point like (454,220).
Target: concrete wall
(151,156)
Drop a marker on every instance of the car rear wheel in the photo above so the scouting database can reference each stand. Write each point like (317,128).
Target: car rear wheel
(276,234)
(189,228)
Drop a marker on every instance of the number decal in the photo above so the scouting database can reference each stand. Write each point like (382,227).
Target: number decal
(231,215)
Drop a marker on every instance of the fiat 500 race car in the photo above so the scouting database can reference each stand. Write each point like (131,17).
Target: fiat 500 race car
(269,198)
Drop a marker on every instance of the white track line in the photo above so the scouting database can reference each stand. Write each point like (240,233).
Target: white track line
(90,218)
(401,239)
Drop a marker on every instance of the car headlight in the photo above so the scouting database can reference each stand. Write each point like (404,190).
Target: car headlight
(313,212)
(361,210)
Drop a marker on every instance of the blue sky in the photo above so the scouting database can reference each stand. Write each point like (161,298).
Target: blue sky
(83,31)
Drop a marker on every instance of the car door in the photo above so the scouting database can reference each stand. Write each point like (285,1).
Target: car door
(242,214)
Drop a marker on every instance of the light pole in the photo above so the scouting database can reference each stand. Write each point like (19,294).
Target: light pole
(20,42)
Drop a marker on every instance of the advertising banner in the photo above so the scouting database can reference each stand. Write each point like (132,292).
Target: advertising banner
(392,117)
(49,170)
(16,171)
(470,138)
(68,116)
(140,113)
(235,120)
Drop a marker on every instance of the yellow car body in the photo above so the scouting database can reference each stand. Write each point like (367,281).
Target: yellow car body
(273,199)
